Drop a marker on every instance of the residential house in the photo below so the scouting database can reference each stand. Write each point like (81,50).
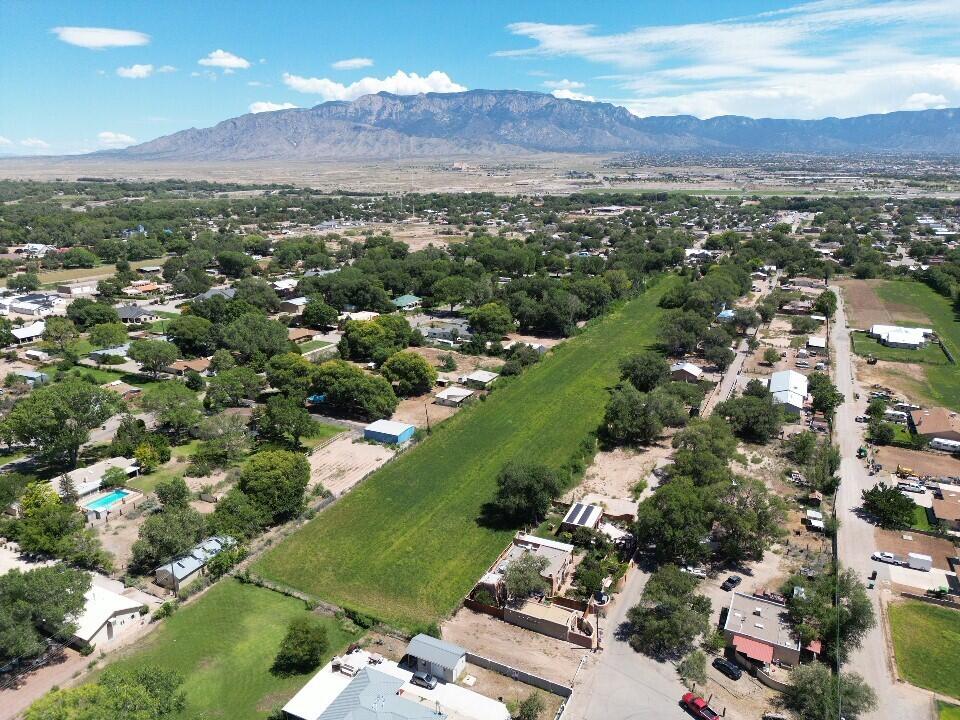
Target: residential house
(558,557)
(760,632)
(87,480)
(36,249)
(188,567)
(32,377)
(480,379)
(936,423)
(294,306)
(285,287)
(581,515)
(302,335)
(107,354)
(136,315)
(900,337)
(946,508)
(78,289)
(126,391)
(224,292)
(817,342)
(105,616)
(36,355)
(407,302)
(182,367)
(29,333)
(685,372)
(444,660)
(452,396)
(789,388)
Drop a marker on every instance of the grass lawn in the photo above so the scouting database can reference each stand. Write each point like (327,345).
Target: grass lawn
(175,468)
(224,644)
(406,545)
(322,433)
(942,384)
(926,640)
(314,345)
(929,355)
(52,277)
(921,520)
(948,711)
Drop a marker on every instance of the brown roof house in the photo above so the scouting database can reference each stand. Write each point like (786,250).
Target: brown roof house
(182,367)
(946,508)
(936,423)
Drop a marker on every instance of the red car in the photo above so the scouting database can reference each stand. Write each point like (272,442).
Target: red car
(697,706)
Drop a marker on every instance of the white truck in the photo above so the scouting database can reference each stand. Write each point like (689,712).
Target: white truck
(917,561)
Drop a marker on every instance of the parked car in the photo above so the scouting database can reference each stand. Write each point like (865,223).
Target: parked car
(886,557)
(697,706)
(424,680)
(728,668)
(913,485)
(862,418)
(731,582)
(700,571)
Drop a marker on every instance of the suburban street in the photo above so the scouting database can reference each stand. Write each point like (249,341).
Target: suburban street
(855,539)
(624,684)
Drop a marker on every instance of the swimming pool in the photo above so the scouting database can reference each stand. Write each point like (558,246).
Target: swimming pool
(107,500)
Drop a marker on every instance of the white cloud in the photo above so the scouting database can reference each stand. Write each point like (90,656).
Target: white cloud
(35,143)
(257,83)
(568,89)
(564,94)
(352,63)
(166,69)
(926,101)
(135,72)
(563,84)
(99,38)
(5,141)
(400,83)
(110,139)
(829,57)
(226,60)
(267,106)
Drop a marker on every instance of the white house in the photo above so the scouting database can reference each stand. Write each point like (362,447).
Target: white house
(452,396)
(685,372)
(900,337)
(105,616)
(29,333)
(789,388)
(87,480)
(479,378)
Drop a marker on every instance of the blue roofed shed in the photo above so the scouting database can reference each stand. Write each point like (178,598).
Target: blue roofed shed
(387,431)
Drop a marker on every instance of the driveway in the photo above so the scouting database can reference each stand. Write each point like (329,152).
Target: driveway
(855,539)
(622,684)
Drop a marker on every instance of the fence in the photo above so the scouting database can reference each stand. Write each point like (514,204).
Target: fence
(942,602)
(521,675)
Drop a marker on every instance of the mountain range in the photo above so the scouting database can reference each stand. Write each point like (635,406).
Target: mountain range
(511,122)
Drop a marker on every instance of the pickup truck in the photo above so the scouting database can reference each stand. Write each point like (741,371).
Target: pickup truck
(697,706)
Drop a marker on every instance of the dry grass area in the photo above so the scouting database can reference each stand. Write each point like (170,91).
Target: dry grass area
(923,463)
(613,473)
(466,364)
(417,410)
(417,235)
(345,462)
(865,307)
(518,647)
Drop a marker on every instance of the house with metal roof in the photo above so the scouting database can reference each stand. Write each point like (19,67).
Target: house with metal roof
(439,658)
(685,372)
(185,568)
(136,315)
(105,616)
(388,431)
(224,292)
(789,388)
(29,333)
(407,302)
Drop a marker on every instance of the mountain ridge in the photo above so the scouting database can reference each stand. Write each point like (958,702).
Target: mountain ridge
(511,122)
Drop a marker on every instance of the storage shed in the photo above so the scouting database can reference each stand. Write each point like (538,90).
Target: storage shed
(387,431)
(445,661)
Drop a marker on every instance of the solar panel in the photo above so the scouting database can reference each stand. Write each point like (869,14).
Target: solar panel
(585,514)
(574,511)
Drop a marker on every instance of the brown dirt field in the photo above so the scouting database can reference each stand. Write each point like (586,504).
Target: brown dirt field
(909,379)
(465,363)
(614,473)
(924,463)
(865,308)
(415,410)
(547,342)
(418,235)
(937,548)
(345,462)
(518,647)
(118,537)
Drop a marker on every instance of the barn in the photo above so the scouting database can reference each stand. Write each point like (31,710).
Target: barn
(387,431)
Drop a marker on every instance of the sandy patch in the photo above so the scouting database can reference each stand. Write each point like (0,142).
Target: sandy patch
(345,462)
(417,411)
(613,473)
(923,463)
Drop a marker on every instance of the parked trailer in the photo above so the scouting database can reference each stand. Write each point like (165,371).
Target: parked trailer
(951,446)
(918,561)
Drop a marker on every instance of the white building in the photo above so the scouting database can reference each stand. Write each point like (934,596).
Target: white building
(789,388)
(685,372)
(105,616)
(452,396)
(900,337)
(29,333)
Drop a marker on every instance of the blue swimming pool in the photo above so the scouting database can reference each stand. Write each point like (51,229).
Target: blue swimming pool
(107,500)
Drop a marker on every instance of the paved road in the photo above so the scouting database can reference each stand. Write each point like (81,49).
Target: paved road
(623,684)
(855,540)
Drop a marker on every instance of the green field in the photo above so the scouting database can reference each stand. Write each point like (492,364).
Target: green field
(921,520)
(926,641)
(928,355)
(406,545)
(224,644)
(314,345)
(942,382)
(948,711)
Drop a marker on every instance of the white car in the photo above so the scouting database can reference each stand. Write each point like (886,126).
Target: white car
(862,418)
(699,572)
(886,557)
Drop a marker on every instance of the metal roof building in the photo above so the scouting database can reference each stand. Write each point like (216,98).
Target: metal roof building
(174,573)
(789,388)
(439,658)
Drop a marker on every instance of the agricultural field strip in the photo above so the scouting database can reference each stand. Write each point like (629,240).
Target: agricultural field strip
(406,545)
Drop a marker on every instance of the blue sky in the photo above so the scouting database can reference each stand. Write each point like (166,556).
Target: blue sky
(82,76)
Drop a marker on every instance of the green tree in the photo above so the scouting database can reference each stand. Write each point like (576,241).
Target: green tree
(891,508)
(291,373)
(303,647)
(173,493)
(193,335)
(524,492)
(231,387)
(275,480)
(234,264)
(24,281)
(86,313)
(826,303)
(749,519)
(166,535)
(237,516)
(411,372)
(801,447)
(632,417)
(771,356)
(670,615)
(113,478)
(57,419)
(175,407)
(108,335)
(523,576)
(492,318)
(257,292)
(36,604)
(675,520)
(814,693)
(693,668)
(454,290)
(882,433)
(255,339)
(825,396)
(532,707)
(645,370)
(351,391)
(60,332)
(317,314)
(755,419)
(153,355)
(286,419)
